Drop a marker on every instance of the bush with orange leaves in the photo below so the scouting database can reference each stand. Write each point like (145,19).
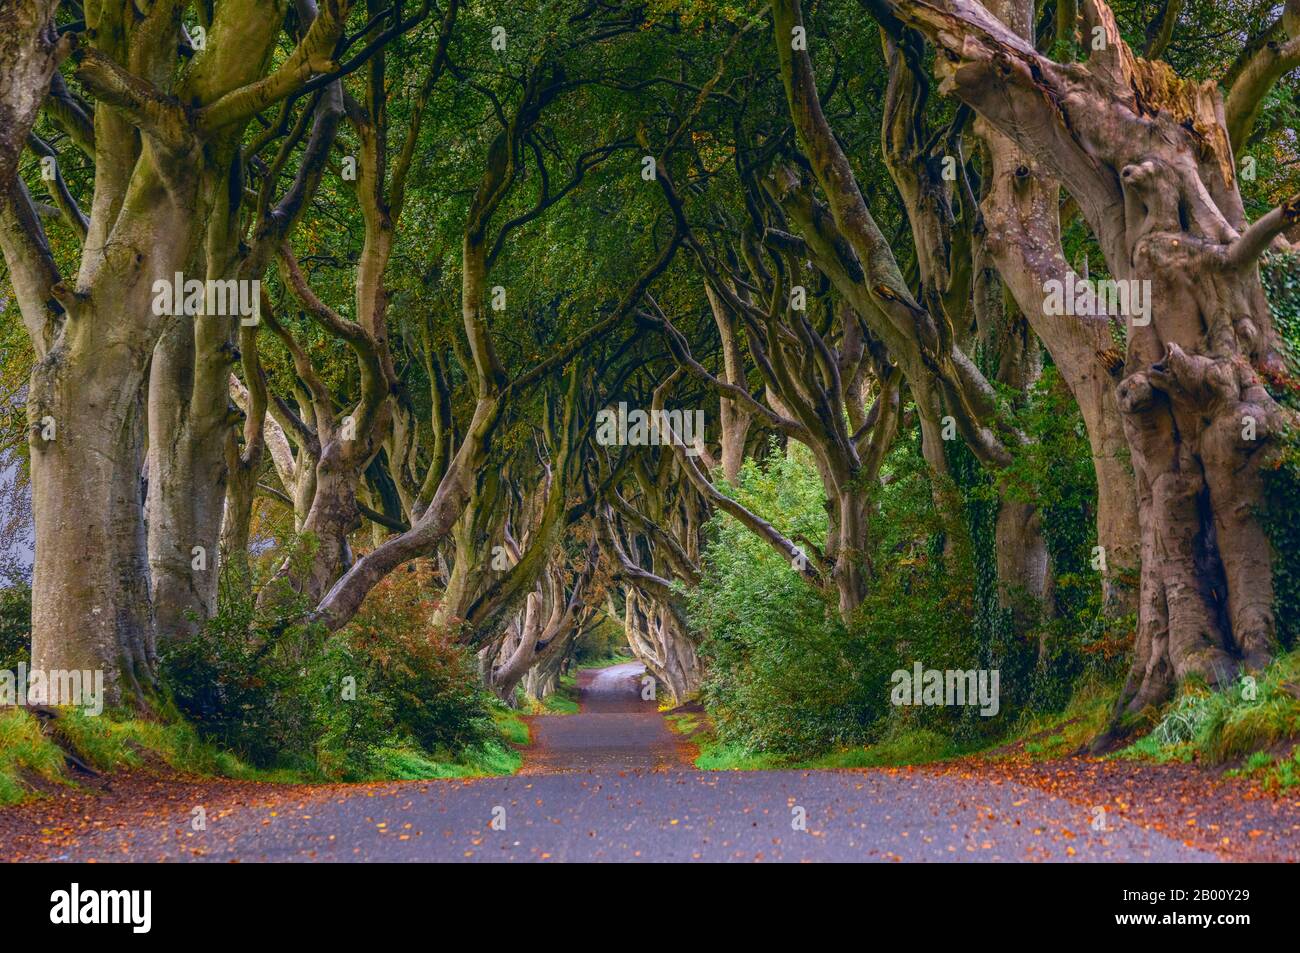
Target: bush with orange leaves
(429,682)
(282,692)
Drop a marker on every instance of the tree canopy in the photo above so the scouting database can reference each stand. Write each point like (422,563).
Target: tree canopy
(590,314)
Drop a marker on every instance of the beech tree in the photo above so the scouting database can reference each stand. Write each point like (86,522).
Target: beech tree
(1147,156)
(166,123)
(467,233)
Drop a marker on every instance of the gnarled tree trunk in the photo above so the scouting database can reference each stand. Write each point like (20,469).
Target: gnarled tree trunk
(1146,155)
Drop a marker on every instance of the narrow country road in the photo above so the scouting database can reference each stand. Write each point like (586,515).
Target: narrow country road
(616,731)
(611,783)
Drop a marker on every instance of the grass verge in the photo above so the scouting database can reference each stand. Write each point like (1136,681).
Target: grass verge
(562,701)
(1250,727)
(28,759)
(33,758)
(605,662)
(1040,736)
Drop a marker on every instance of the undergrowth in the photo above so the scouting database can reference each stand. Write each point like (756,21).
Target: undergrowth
(1250,726)
(32,758)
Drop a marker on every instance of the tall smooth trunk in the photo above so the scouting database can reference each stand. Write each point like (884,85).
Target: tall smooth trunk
(90,589)
(188,418)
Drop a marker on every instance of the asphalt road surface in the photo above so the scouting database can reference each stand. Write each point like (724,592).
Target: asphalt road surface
(614,784)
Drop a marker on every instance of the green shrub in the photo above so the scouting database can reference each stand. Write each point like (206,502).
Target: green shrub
(283,693)
(429,684)
(244,682)
(1281,518)
(1280,274)
(601,642)
(352,721)
(15,626)
(785,675)
(1234,722)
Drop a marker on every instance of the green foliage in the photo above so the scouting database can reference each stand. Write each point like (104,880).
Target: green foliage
(283,693)
(934,592)
(1232,723)
(261,695)
(241,681)
(346,731)
(26,756)
(15,626)
(784,675)
(1280,513)
(122,739)
(32,758)
(600,644)
(428,684)
(1280,274)
(996,640)
(1281,518)
(1054,472)
(899,744)
(787,676)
